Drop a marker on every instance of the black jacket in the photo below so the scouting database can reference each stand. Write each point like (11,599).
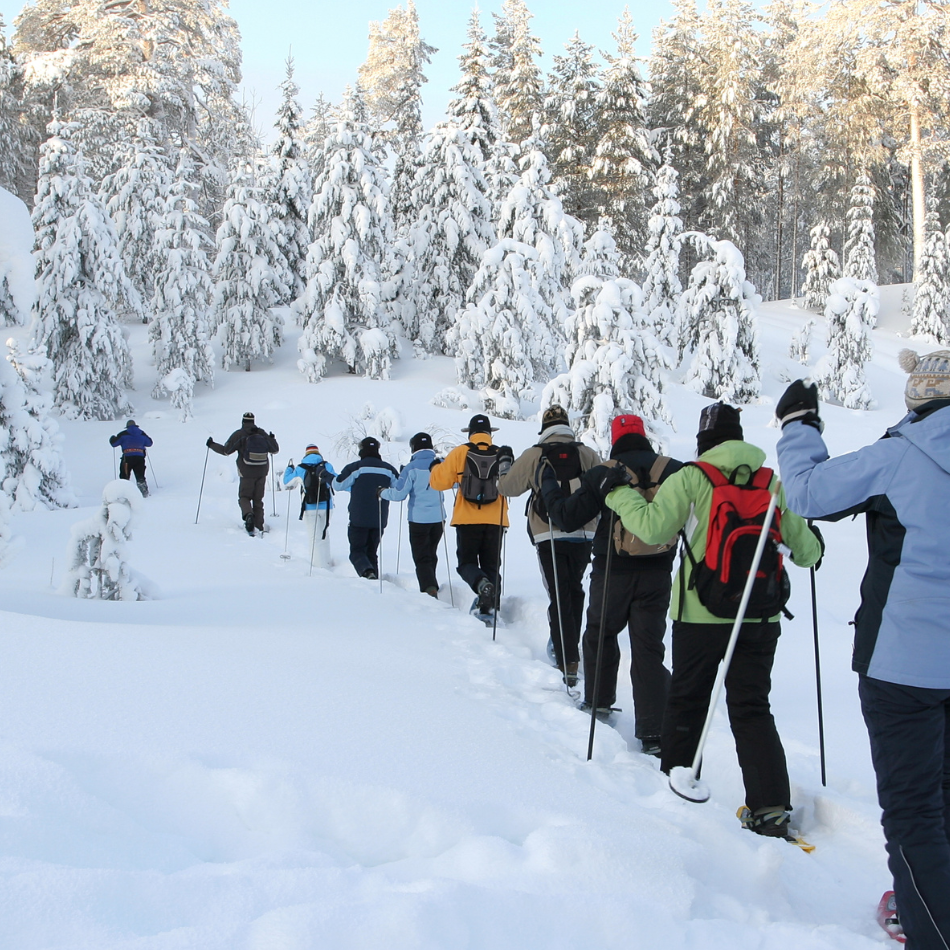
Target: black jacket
(236,442)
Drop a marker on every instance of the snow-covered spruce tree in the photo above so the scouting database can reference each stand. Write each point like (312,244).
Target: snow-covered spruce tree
(450,235)
(17,284)
(800,343)
(661,286)
(16,153)
(851,312)
(821,267)
(624,157)
(518,86)
(180,330)
(248,276)
(135,196)
(30,441)
(343,310)
(501,173)
(473,110)
(932,300)
(315,132)
(289,186)
(859,260)
(98,569)
(81,282)
(716,316)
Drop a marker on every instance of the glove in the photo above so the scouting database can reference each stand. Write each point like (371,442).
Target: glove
(821,541)
(209,442)
(608,477)
(799,402)
(434,462)
(506,457)
(379,491)
(271,434)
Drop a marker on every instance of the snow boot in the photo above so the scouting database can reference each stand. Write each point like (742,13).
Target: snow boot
(771,822)
(370,574)
(249,524)
(570,677)
(650,745)
(486,596)
(432,591)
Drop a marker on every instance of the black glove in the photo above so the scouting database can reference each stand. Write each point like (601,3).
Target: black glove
(506,457)
(379,491)
(434,462)
(210,442)
(799,402)
(821,541)
(608,477)
(271,434)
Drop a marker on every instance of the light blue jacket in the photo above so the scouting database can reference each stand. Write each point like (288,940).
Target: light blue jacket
(425,503)
(902,483)
(296,474)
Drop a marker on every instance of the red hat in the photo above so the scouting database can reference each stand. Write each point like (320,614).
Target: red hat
(626,425)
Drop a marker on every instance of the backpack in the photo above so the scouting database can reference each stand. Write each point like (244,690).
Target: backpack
(480,477)
(647,483)
(565,459)
(736,518)
(317,486)
(255,448)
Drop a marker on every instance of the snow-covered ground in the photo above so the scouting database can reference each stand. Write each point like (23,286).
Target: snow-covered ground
(268,760)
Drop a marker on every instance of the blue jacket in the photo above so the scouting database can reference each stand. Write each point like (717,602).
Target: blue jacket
(362,479)
(425,503)
(132,441)
(901,482)
(292,475)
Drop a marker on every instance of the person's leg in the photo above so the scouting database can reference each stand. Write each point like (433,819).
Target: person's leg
(758,746)
(489,555)
(359,543)
(124,470)
(315,522)
(615,619)
(245,499)
(136,463)
(257,499)
(546,564)
(646,624)
(373,537)
(907,726)
(573,590)
(468,541)
(424,541)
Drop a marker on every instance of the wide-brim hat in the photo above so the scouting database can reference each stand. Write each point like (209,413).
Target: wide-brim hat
(479,423)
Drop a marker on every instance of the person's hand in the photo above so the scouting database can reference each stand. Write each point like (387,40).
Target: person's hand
(434,462)
(271,434)
(799,403)
(608,477)
(209,442)
(821,541)
(379,492)
(506,457)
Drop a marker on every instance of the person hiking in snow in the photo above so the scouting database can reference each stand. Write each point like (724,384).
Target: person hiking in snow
(565,552)
(638,589)
(314,476)
(426,511)
(700,636)
(481,518)
(253,446)
(369,514)
(133,442)
(902,628)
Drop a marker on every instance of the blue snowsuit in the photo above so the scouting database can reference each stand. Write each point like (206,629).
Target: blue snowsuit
(298,472)
(902,637)
(368,514)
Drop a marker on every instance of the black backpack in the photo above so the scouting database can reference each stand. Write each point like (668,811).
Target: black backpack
(565,459)
(255,448)
(480,477)
(317,485)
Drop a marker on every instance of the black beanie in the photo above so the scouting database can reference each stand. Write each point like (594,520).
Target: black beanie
(718,423)
(369,448)
(421,440)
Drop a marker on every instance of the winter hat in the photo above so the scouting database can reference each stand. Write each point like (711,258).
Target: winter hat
(628,424)
(479,423)
(369,447)
(131,422)
(248,417)
(718,423)
(554,415)
(421,440)
(312,450)
(929,376)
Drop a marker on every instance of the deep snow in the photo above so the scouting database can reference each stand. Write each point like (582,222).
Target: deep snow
(266,760)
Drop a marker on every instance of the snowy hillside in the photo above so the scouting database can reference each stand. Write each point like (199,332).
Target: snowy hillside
(267,760)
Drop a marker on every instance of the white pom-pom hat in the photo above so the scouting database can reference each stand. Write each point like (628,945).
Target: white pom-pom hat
(929,376)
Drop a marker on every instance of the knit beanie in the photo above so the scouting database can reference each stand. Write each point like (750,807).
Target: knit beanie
(131,422)
(421,440)
(628,424)
(554,416)
(929,376)
(718,423)
(248,417)
(369,448)
(312,450)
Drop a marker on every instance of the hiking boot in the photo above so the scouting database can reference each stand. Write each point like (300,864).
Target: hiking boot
(432,591)
(370,574)
(570,677)
(486,596)
(771,822)
(650,745)
(249,525)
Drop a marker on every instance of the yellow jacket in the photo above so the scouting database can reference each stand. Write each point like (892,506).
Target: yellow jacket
(448,474)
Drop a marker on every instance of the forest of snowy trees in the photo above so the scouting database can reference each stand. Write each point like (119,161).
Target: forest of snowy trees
(580,230)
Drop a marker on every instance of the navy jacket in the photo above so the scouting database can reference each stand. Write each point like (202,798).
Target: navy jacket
(132,441)
(362,479)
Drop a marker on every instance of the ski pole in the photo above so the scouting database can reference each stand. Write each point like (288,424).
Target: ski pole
(273,488)
(379,559)
(600,638)
(499,572)
(151,465)
(201,490)
(448,568)
(557,604)
(683,779)
(821,718)
(286,555)
(399,540)
(115,464)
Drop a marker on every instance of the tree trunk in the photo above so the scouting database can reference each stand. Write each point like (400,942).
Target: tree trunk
(917,187)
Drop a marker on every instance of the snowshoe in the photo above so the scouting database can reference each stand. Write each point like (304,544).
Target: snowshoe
(486,617)
(552,656)
(888,919)
(249,525)
(603,713)
(486,596)
(773,823)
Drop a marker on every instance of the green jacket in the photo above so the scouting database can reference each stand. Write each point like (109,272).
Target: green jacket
(684,500)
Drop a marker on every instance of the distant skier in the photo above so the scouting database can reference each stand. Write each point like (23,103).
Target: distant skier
(254,446)
(902,628)
(369,514)
(426,511)
(314,475)
(133,442)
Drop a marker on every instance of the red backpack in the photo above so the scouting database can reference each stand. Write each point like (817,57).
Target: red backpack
(736,517)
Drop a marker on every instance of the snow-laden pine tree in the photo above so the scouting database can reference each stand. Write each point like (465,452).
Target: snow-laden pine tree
(518,85)
(859,259)
(82,281)
(315,132)
(851,312)
(615,358)
(343,309)
(248,275)
(288,187)
(661,286)
(624,157)
(17,151)
(30,441)
(451,233)
(716,316)
(181,327)
(98,569)
(800,344)
(931,318)
(501,173)
(135,196)
(821,267)
(473,110)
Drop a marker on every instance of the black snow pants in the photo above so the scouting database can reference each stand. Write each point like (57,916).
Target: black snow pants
(478,547)
(134,465)
(424,538)
(571,559)
(364,548)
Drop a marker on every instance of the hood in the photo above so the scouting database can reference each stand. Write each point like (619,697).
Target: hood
(480,438)
(421,459)
(311,459)
(728,456)
(558,433)
(931,435)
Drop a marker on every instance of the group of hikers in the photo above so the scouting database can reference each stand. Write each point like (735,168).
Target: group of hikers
(626,516)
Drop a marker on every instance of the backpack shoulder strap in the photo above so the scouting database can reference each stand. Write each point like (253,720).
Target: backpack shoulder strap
(762,478)
(658,468)
(712,473)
